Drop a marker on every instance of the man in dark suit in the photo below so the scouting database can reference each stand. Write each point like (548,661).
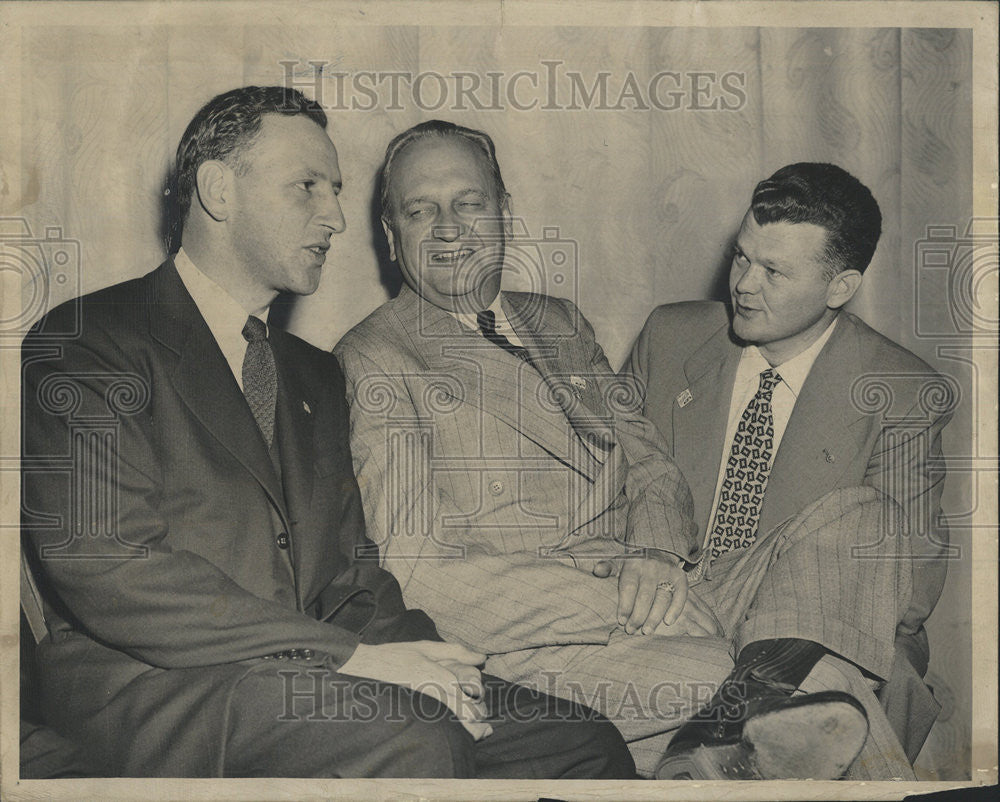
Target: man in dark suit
(849,407)
(214,605)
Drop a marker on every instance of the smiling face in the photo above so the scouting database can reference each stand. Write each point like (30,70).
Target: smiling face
(448,223)
(782,294)
(284,207)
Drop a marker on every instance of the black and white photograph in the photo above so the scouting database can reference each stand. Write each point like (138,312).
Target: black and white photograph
(498,400)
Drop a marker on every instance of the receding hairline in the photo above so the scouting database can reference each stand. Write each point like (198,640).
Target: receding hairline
(440,138)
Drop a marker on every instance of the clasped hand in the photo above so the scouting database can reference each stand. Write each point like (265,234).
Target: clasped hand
(653,597)
(447,672)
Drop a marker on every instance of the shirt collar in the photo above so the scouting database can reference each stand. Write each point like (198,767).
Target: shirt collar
(793,372)
(221,311)
(469,320)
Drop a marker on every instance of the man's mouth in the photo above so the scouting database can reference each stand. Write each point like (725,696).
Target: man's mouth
(450,257)
(319,249)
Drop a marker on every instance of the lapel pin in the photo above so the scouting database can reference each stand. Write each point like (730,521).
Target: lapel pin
(828,455)
(578,381)
(685,398)
(305,406)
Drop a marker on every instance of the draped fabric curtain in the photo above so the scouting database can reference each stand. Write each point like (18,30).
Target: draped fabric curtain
(627,190)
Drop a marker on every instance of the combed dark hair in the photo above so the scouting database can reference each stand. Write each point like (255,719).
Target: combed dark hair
(223,129)
(437,128)
(825,195)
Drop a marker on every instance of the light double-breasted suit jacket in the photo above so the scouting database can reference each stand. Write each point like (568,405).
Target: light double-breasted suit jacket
(492,486)
(869,413)
(173,551)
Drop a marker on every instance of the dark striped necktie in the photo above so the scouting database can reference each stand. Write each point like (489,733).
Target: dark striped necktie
(260,377)
(488,327)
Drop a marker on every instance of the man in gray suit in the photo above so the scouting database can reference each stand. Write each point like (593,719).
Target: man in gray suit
(518,495)
(850,408)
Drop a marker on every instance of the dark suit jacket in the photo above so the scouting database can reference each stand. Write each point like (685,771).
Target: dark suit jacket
(870,413)
(157,518)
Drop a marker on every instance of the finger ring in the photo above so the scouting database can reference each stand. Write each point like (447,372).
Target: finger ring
(666,585)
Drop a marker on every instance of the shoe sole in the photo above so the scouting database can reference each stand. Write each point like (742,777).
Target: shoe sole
(815,741)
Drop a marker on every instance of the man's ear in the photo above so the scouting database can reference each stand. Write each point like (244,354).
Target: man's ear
(842,288)
(213,186)
(390,238)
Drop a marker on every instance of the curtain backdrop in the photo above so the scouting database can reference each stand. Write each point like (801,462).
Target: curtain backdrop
(628,190)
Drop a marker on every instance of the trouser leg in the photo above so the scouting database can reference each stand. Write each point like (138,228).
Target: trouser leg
(646,685)
(838,574)
(291,720)
(537,736)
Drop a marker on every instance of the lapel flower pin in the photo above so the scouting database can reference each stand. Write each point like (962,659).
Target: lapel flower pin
(305,406)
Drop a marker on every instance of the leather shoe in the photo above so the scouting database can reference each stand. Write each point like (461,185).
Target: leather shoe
(751,731)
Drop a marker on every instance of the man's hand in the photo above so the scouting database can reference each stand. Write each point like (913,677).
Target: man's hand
(651,589)
(444,671)
(695,619)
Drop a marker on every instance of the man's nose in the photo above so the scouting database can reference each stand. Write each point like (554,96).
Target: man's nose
(331,215)
(748,282)
(449,227)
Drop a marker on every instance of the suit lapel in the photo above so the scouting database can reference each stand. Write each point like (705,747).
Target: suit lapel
(555,351)
(699,426)
(821,436)
(474,371)
(204,381)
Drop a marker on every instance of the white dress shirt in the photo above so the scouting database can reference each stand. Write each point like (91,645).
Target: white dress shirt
(793,375)
(502,323)
(223,314)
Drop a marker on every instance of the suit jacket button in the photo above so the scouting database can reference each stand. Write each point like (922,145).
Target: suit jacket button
(496,487)
(282,540)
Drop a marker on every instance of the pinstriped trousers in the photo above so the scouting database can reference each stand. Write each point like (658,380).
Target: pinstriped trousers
(838,574)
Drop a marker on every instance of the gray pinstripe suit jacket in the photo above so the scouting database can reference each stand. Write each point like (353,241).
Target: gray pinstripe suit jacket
(489,484)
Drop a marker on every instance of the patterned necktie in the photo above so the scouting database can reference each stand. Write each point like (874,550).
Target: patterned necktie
(260,377)
(488,326)
(747,469)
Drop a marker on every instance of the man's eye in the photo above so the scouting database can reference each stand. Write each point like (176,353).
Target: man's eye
(740,258)
(471,204)
(305,185)
(771,272)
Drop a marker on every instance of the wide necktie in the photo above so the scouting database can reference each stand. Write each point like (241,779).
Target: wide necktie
(488,326)
(260,377)
(747,470)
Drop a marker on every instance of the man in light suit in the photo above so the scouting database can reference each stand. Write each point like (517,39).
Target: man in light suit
(518,495)
(851,407)
(213,603)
